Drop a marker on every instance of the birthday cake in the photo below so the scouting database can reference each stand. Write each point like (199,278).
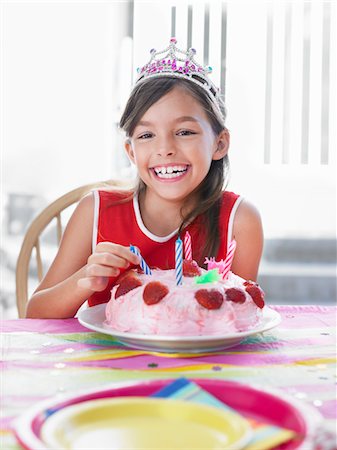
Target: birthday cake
(203,303)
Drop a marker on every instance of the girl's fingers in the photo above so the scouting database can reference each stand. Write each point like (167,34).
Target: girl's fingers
(105,262)
(119,251)
(95,284)
(109,260)
(98,270)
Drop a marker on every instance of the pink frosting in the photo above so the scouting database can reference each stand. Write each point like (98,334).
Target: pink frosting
(178,313)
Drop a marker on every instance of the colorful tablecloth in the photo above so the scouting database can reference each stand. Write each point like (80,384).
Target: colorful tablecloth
(43,358)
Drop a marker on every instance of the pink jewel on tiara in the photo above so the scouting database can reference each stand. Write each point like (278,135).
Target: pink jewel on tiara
(177,63)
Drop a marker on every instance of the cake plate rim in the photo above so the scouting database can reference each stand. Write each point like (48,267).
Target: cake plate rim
(93,318)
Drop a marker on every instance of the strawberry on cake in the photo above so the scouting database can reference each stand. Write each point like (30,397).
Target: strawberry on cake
(203,304)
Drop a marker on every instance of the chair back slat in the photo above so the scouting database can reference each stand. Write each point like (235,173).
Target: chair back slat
(38,260)
(59,228)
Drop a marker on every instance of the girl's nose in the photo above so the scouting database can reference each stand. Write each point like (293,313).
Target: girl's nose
(165,152)
(166,147)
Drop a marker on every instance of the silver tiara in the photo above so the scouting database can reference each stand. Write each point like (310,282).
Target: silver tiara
(176,63)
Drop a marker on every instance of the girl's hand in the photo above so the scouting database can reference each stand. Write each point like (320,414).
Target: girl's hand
(105,262)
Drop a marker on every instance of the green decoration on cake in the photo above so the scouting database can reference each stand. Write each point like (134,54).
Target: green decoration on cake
(210,276)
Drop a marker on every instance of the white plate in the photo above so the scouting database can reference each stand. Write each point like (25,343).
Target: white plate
(94,317)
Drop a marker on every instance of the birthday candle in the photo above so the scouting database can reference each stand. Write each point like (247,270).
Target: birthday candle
(179,261)
(229,259)
(146,269)
(187,246)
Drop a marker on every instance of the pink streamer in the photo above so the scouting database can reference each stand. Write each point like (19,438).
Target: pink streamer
(229,259)
(187,246)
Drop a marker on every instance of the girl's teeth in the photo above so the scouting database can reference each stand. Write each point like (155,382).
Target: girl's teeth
(170,171)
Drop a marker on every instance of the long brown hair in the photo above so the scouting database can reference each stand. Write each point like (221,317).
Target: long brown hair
(209,192)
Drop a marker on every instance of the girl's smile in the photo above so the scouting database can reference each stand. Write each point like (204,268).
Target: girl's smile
(170,172)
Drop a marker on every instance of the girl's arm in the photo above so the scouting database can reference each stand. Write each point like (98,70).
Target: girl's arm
(248,233)
(75,272)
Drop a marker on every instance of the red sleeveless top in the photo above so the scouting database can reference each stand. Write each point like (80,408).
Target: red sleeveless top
(119,221)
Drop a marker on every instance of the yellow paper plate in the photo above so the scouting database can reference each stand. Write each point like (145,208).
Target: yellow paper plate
(144,423)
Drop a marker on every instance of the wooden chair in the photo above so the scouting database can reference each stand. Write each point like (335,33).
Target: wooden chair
(32,238)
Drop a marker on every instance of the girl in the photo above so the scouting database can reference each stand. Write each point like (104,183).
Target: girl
(176,137)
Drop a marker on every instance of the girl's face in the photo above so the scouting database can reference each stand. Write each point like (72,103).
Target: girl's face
(173,146)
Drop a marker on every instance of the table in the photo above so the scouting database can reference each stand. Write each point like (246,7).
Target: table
(43,358)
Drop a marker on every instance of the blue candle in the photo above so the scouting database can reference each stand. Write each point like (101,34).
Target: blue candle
(179,261)
(146,269)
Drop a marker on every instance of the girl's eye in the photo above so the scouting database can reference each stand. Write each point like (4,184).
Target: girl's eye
(185,132)
(145,136)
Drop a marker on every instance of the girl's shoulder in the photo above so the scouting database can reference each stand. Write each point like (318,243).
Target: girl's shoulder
(246,217)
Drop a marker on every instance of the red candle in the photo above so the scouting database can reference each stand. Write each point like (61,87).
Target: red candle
(187,246)
(229,259)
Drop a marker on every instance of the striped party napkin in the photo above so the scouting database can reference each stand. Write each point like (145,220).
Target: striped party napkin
(264,436)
